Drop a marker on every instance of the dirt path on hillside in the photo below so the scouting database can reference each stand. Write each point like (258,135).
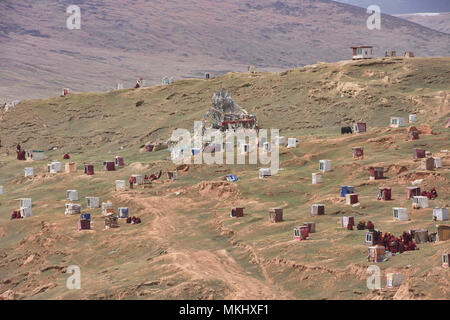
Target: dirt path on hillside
(169,226)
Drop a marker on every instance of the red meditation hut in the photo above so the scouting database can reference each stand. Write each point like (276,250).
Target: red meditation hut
(89,169)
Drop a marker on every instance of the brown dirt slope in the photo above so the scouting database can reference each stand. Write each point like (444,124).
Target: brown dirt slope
(187,246)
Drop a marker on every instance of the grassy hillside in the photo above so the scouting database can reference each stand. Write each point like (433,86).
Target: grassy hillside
(313,99)
(120,41)
(187,246)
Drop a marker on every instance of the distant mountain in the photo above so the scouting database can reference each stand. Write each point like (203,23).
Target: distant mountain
(436,21)
(122,40)
(403,6)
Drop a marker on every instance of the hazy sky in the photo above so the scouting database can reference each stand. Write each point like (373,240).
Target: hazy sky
(404,6)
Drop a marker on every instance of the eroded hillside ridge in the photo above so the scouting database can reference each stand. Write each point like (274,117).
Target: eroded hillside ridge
(316,98)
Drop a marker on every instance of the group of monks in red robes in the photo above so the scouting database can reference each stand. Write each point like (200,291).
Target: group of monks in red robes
(392,243)
(395,244)
(20,153)
(430,194)
(362,225)
(16,215)
(133,220)
(153,177)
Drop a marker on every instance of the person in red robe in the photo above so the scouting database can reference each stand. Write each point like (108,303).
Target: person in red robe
(388,241)
(21,155)
(401,245)
(433,193)
(370,225)
(393,245)
(131,182)
(380,239)
(361,225)
(411,245)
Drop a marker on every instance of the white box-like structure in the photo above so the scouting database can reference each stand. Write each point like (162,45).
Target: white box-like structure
(317,178)
(92,202)
(54,167)
(400,214)
(29,171)
(325,165)
(437,162)
(397,122)
(345,220)
(265,172)
(412,118)
(72,208)
(36,155)
(25,207)
(123,212)
(1,190)
(25,203)
(315,209)
(139,179)
(420,202)
(72,195)
(292,143)
(348,198)
(120,185)
(440,214)
(394,280)
(106,206)
(25,212)
(362,52)
(57,165)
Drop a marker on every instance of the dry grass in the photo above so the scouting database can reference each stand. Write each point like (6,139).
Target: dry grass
(187,246)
